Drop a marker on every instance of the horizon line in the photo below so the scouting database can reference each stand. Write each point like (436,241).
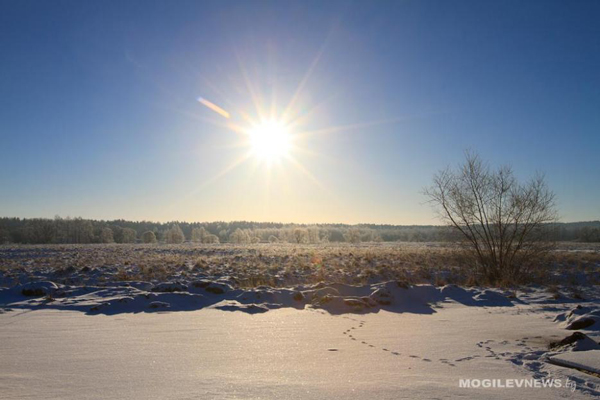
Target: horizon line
(256,222)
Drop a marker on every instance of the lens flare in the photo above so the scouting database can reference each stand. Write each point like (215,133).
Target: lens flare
(213,107)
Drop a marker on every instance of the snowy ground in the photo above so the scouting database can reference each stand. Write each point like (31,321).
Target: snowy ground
(284,353)
(79,333)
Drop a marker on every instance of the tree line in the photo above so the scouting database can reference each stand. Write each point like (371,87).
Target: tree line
(79,230)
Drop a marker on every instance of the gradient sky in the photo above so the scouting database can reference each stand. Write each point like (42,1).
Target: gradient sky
(99,118)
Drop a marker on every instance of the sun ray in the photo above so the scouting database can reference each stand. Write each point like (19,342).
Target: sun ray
(218,92)
(301,119)
(210,181)
(232,126)
(231,105)
(341,128)
(267,191)
(285,116)
(256,99)
(226,170)
(304,171)
(303,150)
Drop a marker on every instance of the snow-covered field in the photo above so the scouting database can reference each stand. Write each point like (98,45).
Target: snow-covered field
(78,333)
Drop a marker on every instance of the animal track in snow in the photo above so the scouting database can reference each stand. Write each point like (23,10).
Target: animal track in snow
(354,330)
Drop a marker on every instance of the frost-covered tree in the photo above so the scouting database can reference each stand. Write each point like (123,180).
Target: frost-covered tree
(106,235)
(73,230)
(174,235)
(313,235)
(149,237)
(285,235)
(39,230)
(209,238)
(198,235)
(366,236)
(239,236)
(128,235)
(300,235)
(589,234)
(352,235)
(4,235)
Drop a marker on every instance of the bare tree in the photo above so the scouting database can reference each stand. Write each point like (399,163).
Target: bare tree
(505,223)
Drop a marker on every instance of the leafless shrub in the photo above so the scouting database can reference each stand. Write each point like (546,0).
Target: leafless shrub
(504,223)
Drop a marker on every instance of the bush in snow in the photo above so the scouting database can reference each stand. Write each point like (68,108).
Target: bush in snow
(505,223)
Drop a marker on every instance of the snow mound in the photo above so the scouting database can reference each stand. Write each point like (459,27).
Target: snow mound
(169,287)
(493,298)
(584,322)
(37,289)
(316,295)
(341,305)
(159,304)
(382,296)
(181,294)
(455,292)
(232,305)
(209,286)
(580,318)
(576,342)
(585,360)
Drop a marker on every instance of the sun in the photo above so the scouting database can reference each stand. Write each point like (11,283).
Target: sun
(270,140)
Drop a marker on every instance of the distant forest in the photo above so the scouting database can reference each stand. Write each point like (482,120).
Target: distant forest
(79,230)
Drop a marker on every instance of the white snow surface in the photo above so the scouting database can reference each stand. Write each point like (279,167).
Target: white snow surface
(413,352)
(586,360)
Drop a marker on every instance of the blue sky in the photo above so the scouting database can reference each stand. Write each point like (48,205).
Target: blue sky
(99,118)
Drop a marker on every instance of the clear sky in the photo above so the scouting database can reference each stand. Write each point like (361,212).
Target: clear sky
(99,115)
